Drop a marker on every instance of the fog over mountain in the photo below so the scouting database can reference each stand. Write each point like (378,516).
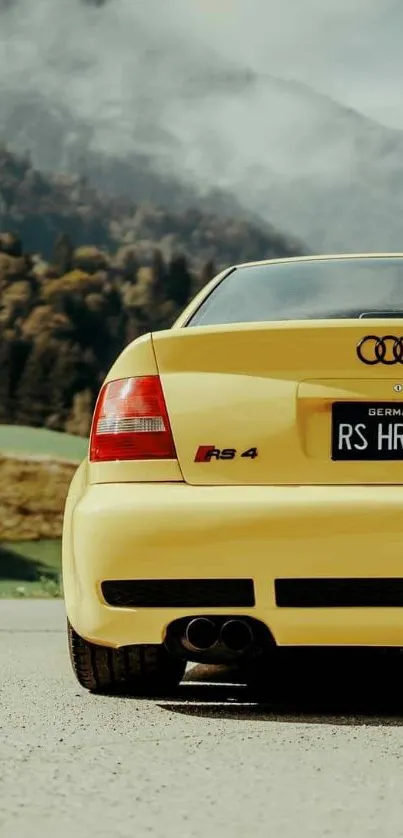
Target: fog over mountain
(294,108)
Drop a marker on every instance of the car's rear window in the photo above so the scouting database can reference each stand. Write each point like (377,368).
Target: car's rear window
(311,290)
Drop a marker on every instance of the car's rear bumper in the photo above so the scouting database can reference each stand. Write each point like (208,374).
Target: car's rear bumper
(179,532)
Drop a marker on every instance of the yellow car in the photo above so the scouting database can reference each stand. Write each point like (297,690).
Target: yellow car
(244,482)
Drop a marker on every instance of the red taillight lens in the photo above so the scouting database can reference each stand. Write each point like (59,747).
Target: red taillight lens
(131,422)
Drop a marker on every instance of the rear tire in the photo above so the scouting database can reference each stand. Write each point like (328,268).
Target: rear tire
(132,670)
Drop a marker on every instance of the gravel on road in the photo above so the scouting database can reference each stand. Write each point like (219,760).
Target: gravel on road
(210,760)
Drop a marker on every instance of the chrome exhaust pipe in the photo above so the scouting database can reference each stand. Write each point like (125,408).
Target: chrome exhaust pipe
(200,635)
(236,635)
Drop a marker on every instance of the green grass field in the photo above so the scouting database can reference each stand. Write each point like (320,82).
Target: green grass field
(30,569)
(36,441)
(33,568)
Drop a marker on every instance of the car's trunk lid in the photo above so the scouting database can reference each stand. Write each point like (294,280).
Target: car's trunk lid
(254,404)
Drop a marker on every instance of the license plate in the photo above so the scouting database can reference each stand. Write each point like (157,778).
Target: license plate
(367,431)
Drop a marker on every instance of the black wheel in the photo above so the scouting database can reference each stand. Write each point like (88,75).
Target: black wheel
(132,670)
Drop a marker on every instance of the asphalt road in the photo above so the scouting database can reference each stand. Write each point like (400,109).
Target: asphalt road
(209,761)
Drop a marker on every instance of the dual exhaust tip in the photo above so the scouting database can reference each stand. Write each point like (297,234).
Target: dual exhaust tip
(202,634)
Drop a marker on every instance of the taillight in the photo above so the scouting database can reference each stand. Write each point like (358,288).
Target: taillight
(131,422)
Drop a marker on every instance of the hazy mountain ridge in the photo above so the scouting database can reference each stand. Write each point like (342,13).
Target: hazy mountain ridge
(148,106)
(143,105)
(39,207)
(350,197)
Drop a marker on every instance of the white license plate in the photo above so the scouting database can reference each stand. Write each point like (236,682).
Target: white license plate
(367,431)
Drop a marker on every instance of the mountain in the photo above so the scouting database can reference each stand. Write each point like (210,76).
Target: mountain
(40,207)
(260,147)
(144,107)
(135,160)
(338,181)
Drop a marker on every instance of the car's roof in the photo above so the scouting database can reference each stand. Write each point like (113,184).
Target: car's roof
(322,256)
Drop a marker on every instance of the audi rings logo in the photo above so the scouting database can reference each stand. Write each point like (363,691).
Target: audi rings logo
(386,350)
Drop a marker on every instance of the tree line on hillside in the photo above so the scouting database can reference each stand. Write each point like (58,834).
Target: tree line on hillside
(39,206)
(62,323)
(67,308)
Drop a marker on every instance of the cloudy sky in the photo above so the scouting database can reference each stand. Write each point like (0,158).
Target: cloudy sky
(350,49)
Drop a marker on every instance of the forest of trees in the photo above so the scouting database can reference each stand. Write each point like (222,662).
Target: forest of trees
(81,275)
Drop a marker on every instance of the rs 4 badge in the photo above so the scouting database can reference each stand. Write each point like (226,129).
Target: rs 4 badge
(207,453)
